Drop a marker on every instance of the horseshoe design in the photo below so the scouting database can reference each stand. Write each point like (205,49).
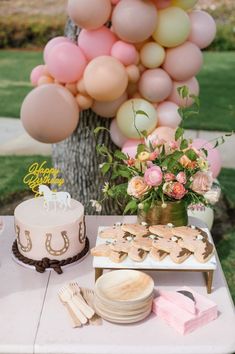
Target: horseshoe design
(82,231)
(28,246)
(60,251)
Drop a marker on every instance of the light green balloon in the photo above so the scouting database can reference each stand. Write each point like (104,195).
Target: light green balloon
(173,27)
(126,122)
(184,4)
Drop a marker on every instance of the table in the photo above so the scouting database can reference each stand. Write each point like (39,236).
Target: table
(32,320)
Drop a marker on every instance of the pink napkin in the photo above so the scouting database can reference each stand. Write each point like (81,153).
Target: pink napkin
(183,313)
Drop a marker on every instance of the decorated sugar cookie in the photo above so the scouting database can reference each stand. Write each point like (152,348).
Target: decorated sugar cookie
(162,230)
(157,255)
(120,246)
(143,243)
(200,246)
(101,250)
(117,257)
(137,254)
(135,229)
(177,253)
(112,232)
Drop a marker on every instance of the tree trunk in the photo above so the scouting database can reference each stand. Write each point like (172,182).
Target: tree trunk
(77,159)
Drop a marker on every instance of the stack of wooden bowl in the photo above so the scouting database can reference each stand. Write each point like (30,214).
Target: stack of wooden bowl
(124,296)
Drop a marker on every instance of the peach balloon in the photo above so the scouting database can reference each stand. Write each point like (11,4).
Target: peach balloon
(81,87)
(134,20)
(108,109)
(203,28)
(164,133)
(126,122)
(49,113)
(96,42)
(133,73)
(72,88)
(130,147)
(84,102)
(89,14)
(125,52)
(184,4)
(193,87)
(116,135)
(105,78)
(155,85)
(183,62)
(43,80)
(168,115)
(36,73)
(173,27)
(152,55)
(52,43)
(66,62)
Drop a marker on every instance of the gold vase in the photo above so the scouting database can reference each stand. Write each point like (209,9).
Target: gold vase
(174,213)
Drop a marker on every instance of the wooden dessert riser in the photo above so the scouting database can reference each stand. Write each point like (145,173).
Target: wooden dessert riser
(207,273)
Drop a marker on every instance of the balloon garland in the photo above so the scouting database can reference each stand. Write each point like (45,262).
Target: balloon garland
(152,48)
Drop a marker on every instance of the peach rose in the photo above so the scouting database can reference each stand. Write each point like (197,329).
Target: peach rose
(202,182)
(137,187)
(174,190)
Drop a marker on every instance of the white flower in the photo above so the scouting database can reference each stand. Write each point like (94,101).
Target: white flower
(101,165)
(141,206)
(106,187)
(213,195)
(95,204)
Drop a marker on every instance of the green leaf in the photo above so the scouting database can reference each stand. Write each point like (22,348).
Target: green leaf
(144,133)
(183,91)
(179,133)
(124,171)
(141,148)
(120,155)
(103,150)
(131,206)
(143,113)
(98,129)
(205,151)
(105,168)
(184,144)
(191,154)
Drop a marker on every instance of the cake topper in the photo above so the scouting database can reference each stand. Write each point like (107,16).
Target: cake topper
(63,199)
(41,174)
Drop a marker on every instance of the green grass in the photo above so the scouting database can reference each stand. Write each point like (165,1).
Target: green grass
(12,171)
(227,181)
(15,69)
(217,81)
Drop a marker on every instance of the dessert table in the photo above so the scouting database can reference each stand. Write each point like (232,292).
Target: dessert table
(32,319)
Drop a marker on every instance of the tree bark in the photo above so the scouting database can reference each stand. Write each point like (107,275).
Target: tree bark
(77,158)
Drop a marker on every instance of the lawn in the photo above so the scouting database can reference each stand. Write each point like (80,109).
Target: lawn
(217,81)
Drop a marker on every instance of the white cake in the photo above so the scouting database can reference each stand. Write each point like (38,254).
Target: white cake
(56,234)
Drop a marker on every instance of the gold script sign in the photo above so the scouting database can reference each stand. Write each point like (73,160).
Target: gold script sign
(38,174)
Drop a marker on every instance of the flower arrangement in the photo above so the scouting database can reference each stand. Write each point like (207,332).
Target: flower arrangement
(162,171)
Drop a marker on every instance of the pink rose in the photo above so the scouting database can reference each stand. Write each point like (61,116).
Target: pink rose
(153,176)
(173,144)
(202,182)
(174,190)
(181,177)
(153,155)
(169,177)
(137,187)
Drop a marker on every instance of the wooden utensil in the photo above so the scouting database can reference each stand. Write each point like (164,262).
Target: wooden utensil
(88,295)
(75,321)
(66,297)
(79,301)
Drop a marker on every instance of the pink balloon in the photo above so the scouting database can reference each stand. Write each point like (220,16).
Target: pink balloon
(203,28)
(66,62)
(155,85)
(116,135)
(108,109)
(52,43)
(124,52)
(97,42)
(193,87)
(36,73)
(214,157)
(163,133)
(168,115)
(183,62)
(130,147)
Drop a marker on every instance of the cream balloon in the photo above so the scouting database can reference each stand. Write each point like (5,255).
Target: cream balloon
(168,115)
(105,78)
(163,133)
(183,62)
(108,109)
(49,113)
(89,14)
(134,20)
(155,85)
(207,215)
(193,87)
(185,4)
(152,55)
(173,27)
(128,123)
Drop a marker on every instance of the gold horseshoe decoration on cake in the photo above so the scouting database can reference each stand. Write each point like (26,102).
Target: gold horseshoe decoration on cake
(28,246)
(60,251)
(82,231)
